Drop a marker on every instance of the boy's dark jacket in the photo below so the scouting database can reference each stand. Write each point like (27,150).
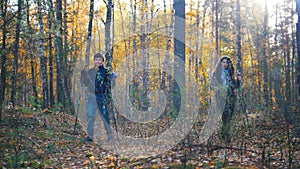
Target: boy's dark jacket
(88,79)
(99,80)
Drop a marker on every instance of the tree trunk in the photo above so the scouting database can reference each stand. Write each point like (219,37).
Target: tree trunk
(264,59)
(298,47)
(240,99)
(238,38)
(109,34)
(109,41)
(166,81)
(68,62)
(199,62)
(294,48)
(67,59)
(3,55)
(179,46)
(287,54)
(147,57)
(144,79)
(30,35)
(44,75)
(217,30)
(134,55)
(62,90)
(127,49)
(51,81)
(59,49)
(89,36)
(16,54)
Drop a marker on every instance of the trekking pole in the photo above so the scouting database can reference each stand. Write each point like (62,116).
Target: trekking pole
(243,105)
(78,105)
(114,115)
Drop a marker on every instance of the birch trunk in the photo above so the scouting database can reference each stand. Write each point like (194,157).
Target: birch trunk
(44,75)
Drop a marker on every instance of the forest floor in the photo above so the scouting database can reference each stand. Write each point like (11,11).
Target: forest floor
(47,140)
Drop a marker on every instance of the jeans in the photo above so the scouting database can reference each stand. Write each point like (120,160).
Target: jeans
(91,110)
(102,102)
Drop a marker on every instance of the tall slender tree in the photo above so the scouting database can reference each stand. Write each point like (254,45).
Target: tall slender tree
(217,28)
(89,36)
(134,55)
(179,45)
(144,80)
(3,54)
(59,52)
(109,33)
(63,94)
(42,57)
(169,32)
(264,56)
(31,38)
(298,46)
(287,53)
(16,53)
(50,44)
(109,30)
(126,46)
(199,61)
(238,37)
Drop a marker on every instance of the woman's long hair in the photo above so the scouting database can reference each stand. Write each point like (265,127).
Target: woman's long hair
(230,65)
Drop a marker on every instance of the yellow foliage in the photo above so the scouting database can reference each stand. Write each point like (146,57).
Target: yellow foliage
(112,159)
(111,165)
(191,14)
(86,162)
(92,158)
(154,166)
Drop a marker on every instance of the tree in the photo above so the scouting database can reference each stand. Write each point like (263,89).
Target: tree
(89,36)
(217,27)
(109,33)
(109,39)
(31,38)
(179,44)
(50,39)
(63,94)
(144,79)
(261,43)
(43,58)
(16,53)
(238,37)
(298,45)
(3,54)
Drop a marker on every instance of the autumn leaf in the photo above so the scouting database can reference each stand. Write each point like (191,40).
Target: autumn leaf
(154,166)
(86,162)
(92,158)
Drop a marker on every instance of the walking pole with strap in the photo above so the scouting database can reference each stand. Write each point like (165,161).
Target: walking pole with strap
(78,102)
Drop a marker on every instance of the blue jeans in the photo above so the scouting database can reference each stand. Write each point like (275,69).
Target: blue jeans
(102,102)
(91,111)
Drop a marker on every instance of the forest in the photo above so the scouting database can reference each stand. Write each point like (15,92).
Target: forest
(165,109)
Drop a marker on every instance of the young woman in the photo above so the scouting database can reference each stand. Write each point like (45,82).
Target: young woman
(224,79)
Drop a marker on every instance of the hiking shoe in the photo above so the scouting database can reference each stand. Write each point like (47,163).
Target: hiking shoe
(88,139)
